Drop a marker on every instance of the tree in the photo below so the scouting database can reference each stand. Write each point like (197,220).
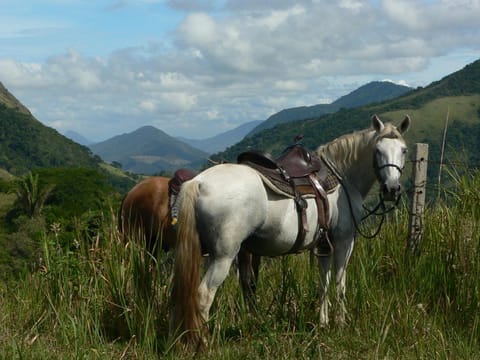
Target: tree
(30,196)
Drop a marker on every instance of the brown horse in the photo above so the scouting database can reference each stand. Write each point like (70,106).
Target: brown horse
(146,212)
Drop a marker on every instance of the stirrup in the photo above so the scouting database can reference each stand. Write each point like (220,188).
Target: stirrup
(324,246)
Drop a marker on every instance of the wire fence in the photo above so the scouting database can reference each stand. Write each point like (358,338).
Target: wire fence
(432,185)
(441,171)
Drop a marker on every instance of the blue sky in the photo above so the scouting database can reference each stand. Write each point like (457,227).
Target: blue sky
(93,28)
(198,68)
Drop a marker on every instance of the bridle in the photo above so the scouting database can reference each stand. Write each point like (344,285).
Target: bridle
(381,203)
(377,167)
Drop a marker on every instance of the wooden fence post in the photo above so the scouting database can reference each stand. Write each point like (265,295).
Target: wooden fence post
(418,197)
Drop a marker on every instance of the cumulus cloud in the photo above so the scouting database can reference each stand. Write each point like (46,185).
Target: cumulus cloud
(289,85)
(198,29)
(70,70)
(239,60)
(450,15)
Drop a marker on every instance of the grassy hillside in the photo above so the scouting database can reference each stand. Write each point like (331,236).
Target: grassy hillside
(25,144)
(86,292)
(457,95)
(94,301)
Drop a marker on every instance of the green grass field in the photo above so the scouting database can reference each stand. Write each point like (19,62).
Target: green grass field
(430,118)
(101,301)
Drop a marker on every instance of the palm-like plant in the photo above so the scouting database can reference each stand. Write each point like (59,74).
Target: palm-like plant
(30,196)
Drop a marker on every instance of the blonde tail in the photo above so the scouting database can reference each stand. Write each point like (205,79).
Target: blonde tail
(187,319)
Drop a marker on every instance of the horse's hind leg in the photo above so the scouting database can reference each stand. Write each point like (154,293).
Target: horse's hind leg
(248,265)
(214,276)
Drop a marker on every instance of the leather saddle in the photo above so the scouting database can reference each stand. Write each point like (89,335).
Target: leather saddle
(179,177)
(297,173)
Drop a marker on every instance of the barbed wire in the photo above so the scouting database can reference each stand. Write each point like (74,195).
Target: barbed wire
(410,188)
(452,163)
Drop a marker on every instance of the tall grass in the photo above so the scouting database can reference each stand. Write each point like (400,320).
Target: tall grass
(107,298)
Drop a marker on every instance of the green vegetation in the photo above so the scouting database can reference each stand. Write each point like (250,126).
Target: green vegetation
(68,202)
(456,97)
(100,299)
(30,197)
(72,287)
(26,144)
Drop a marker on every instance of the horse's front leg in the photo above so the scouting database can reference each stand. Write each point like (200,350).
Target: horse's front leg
(324,265)
(341,258)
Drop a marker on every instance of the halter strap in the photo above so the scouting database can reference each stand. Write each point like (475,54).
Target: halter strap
(378,168)
(381,203)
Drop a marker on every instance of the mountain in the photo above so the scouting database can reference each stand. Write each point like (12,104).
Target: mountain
(456,96)
(149,150)
(11,102)
(373,92)
(137,159)
(26,144)
(222,141)
(78,138)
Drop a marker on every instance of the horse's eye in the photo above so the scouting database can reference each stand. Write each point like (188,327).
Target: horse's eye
(404,151)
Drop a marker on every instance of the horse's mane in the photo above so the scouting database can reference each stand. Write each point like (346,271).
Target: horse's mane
(347,149)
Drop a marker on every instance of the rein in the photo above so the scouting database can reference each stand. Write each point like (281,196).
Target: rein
(381,203)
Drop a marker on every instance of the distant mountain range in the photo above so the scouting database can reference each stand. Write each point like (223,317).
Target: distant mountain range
(149,150)
(373,92)
(26,144)
(221,141)
(78,138)
(456,96)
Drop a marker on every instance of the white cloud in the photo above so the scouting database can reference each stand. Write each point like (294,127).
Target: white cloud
(398,82)
(148,105)
(213,114)
(277,18)
(450,15)
(70,70)
(20,74)
(289,85)
(242,63)
(353,5)
(198,29)
(178,101)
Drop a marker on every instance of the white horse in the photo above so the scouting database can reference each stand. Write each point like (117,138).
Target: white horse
(228,207)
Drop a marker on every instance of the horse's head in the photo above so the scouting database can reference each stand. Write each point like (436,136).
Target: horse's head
(389,156)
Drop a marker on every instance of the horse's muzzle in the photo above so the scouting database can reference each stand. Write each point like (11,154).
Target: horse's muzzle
(391,192)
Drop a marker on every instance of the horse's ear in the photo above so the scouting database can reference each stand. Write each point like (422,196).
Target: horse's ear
(404,125)
(377,123)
